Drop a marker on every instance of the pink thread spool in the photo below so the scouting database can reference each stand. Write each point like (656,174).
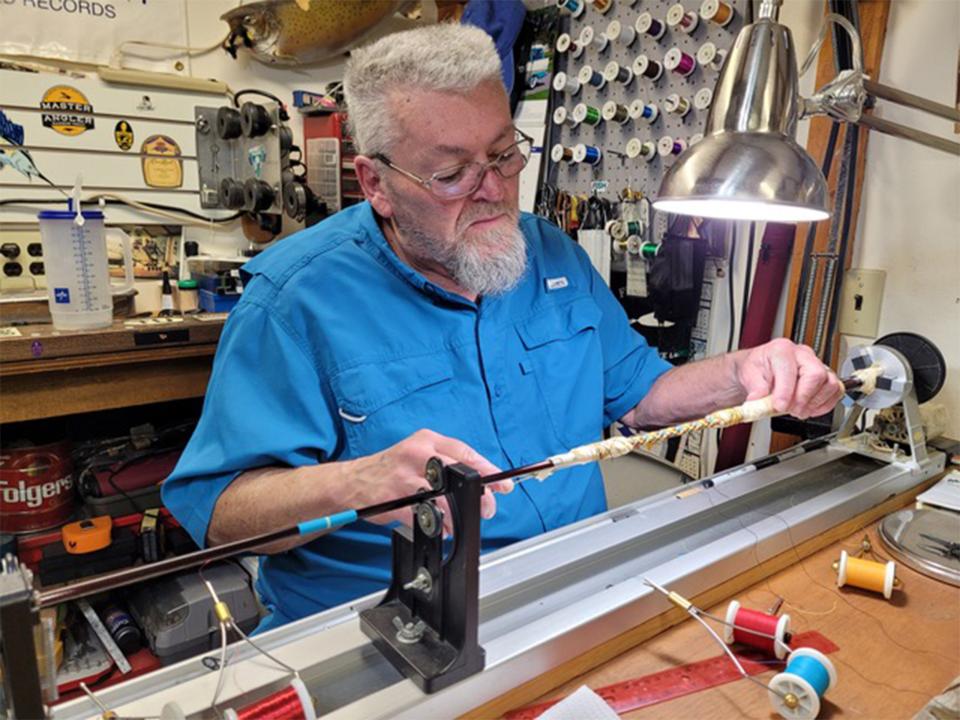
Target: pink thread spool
(676,60)
(741,621)
(678,18)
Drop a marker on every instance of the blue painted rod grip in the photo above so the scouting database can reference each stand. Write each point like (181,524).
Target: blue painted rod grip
(330,522)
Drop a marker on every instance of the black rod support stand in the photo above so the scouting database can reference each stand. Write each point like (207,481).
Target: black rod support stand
(427,623)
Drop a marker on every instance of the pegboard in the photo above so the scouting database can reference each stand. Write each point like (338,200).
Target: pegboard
(609,136)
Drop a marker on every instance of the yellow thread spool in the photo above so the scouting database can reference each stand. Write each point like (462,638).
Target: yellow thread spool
(866,574)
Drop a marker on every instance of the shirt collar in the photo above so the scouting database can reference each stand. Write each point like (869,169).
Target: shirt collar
(380,249)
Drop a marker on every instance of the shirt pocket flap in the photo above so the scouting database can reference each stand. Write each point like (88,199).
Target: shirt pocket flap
(364,389)
(559,323)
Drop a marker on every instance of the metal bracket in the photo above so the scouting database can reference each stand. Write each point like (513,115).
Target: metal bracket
(18,620)
(427,623)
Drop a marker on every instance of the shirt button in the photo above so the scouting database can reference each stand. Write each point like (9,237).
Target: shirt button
(498,390)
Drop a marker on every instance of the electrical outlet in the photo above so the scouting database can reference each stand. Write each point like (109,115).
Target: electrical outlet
(861,297)
(21,262)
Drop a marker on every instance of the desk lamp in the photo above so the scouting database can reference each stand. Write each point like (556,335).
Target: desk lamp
(749,166)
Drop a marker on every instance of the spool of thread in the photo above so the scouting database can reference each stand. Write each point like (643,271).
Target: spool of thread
(703,98)
(867,574)
(679,62)
(677,105)
(649,250)
(589,154)
(566,83)
(795,693)
(587,36)
(640,110)
(645,67)
(635,148)
(618,33)
(588,114)
(589,76)
(746,620)
(562,117)
(717,11)
(634,227)
(564,41)
(648,25)
(574,7)
(668,146)
(614,71)
(709,56)
(291,703)
(602,6)
(615,112)
(558,152)
(678,18)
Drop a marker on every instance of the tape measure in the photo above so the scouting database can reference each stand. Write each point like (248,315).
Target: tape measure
(87,536)
(681,680)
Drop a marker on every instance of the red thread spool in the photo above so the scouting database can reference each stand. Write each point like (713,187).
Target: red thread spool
(774,628)
(291,703)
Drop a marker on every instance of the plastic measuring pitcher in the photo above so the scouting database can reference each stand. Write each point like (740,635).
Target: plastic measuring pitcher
(75,261)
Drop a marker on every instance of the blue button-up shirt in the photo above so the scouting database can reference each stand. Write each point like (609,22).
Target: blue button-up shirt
(338,350)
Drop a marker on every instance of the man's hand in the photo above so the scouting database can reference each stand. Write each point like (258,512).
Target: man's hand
(398,471)
(800,384)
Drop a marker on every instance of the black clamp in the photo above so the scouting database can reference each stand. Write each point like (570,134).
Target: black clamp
(427,623)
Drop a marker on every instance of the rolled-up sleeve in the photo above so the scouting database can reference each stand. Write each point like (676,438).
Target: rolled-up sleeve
(265,405)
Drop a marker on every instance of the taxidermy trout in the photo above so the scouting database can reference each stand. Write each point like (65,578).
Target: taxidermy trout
(291,32)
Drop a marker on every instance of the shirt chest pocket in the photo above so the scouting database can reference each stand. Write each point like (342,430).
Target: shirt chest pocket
(381,403)
(562,351)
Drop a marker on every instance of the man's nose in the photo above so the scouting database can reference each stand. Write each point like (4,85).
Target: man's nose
(492,187)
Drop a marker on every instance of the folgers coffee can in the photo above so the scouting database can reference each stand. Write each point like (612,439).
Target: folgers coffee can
(36,488)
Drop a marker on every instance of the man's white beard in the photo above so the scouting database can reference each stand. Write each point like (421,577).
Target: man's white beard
(490,262)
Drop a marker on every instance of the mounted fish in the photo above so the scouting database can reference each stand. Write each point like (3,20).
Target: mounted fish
(295,32)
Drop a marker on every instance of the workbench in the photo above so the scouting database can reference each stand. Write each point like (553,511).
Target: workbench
(48,373)
(894,655)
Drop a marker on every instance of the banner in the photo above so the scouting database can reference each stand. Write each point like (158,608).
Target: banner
(90,30)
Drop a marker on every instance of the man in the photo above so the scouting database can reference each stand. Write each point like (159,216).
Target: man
(433,319)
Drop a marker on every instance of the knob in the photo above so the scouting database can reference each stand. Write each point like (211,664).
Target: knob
(229,125)
(258,195)
(35,250)
(10,250)
(254,119)
(36,268)
(231,194)
(13,269)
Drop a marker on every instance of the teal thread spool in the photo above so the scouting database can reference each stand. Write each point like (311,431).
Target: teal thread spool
(795,693)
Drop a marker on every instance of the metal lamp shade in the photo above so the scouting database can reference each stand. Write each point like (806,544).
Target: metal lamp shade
(748,165)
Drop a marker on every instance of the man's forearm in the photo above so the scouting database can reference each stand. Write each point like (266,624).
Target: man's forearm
(688,392)
(269,499)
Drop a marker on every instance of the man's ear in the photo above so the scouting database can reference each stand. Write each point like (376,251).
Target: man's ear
(371,181)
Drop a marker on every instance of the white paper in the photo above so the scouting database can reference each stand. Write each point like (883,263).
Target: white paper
(945,494)
(584,704)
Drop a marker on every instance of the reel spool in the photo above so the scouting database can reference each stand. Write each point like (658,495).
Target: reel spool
(907,360)
(867,574)
(795,693)
(746,620)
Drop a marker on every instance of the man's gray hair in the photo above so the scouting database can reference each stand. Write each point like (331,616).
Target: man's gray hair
(439,58)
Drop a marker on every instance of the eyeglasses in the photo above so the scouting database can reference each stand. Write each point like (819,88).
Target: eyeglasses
(462,180)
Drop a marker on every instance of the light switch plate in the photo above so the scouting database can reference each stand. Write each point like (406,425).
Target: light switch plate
(860,301)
